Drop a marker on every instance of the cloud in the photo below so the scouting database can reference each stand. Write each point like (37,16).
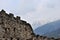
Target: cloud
(33,11)
(44,12)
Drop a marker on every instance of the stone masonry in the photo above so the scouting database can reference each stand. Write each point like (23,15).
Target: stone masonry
(13,28)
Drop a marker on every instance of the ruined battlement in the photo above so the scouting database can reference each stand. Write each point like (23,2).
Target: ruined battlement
(13,28)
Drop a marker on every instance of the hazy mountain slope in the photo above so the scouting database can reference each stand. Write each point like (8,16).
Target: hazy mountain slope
(55,33)
(47,28)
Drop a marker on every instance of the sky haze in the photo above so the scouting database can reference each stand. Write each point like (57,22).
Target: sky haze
(36,12)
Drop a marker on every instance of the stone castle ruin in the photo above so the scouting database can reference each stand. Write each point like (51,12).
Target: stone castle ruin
(13,28)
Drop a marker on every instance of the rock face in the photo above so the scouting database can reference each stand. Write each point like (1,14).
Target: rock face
(13,28)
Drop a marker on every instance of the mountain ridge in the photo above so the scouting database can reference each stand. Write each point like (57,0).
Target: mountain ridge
(47,28)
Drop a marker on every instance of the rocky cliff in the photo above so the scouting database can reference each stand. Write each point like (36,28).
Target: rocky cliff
(13,28)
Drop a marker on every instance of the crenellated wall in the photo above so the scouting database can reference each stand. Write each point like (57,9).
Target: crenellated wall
(13,28)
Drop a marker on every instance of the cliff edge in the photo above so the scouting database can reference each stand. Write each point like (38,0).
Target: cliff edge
(13,28)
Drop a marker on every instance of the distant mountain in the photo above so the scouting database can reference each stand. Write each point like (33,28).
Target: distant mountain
(55,34)
(49,29)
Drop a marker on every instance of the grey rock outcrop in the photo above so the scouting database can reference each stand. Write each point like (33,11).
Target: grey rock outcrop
(13,28)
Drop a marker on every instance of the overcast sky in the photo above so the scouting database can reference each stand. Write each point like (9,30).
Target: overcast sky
(36,12)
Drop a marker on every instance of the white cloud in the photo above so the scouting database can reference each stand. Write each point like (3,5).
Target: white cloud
(42,11)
